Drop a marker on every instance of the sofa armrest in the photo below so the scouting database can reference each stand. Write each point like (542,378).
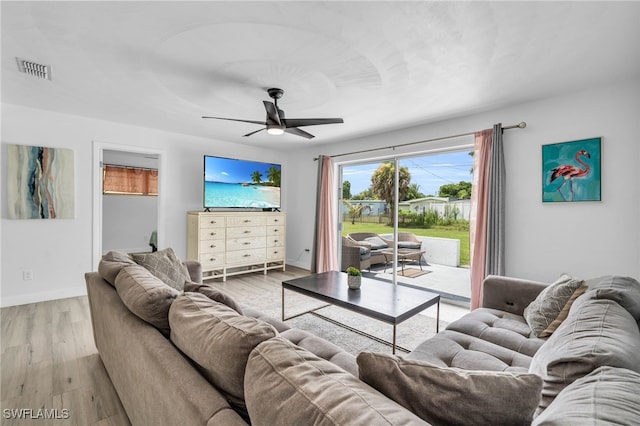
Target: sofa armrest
(195,270)
(509,294)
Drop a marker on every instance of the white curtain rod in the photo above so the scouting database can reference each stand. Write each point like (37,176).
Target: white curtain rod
(520,125)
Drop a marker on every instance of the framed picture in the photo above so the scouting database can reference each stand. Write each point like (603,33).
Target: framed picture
(571,171)
(40,182)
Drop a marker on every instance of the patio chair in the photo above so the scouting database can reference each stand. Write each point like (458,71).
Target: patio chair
(355,255)
(374,242)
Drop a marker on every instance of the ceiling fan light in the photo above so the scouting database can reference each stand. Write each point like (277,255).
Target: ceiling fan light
(275,130)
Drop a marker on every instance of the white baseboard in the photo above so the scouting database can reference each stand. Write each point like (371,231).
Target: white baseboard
(44,296)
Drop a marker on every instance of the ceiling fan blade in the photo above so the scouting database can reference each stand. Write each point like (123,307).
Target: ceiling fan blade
(272,113)
(253,133)
(298,132)
(299,122)
(234,119)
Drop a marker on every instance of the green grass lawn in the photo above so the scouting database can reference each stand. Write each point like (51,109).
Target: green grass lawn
(440,232)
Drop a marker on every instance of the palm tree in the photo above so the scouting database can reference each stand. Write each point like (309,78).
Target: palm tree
(356,210)
(382,184)
(273,174)
(256,177)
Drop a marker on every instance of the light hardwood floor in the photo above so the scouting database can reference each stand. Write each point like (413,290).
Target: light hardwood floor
(49,360)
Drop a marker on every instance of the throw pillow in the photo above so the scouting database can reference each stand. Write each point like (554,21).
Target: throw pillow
(565,311)
(218,340)
(165,265)
(213,294)
(146,296)
(111,264)
(540,313)
(288,385)
(443,395)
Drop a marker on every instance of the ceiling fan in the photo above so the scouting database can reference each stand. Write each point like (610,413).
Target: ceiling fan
(277,124)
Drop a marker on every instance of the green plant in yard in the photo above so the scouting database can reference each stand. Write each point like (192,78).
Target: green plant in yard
(353,271)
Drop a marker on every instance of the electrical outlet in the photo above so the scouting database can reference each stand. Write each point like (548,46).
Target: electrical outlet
(27,275)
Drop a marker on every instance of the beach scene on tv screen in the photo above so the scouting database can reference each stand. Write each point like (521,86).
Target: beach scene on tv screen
(240,183)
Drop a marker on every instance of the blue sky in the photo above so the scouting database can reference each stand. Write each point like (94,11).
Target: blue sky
(430,172)
(233,171)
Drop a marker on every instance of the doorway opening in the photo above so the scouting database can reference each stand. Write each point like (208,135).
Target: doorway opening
(129,223)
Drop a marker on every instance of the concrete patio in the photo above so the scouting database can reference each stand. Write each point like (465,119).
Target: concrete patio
(453,283)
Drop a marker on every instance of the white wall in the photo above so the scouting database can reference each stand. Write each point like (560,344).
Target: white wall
(585,239)
(127,222)
(543,240)
(59,252)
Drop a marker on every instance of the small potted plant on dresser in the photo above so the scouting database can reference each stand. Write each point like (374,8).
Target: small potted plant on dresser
(354,277)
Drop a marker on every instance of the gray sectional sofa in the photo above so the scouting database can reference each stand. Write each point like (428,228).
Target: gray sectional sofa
(193,356)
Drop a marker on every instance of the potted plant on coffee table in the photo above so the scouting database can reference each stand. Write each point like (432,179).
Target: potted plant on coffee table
(354,277)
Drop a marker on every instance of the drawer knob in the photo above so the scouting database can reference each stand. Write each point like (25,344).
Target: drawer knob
(212,222)
(212,246)
(247,232)
(212,259)
(247,220)
(213,233)
(247,255)
(275,241)
(276,230)
(246,243)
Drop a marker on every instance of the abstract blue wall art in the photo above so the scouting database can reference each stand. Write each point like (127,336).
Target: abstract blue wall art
(571,171)
(40,182)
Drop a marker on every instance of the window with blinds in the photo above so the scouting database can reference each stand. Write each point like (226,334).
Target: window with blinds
(129,180)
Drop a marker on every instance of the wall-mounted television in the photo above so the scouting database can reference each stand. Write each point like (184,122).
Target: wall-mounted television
(235,183)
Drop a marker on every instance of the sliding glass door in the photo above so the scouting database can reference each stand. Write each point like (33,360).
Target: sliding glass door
(422,238)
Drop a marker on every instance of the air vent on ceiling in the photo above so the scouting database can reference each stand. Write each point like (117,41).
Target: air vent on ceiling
(34,69)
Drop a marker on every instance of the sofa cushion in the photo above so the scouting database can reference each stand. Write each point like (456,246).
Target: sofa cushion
(146,296)
(484,339)
(597,332)
(218,340)
(564,312)
(288,385)
(624,290)
(322,348)
(608,395)
(453,396)
(547,306)
(212,293)
(376,243)
(409,245)
(165,265)
(111,264)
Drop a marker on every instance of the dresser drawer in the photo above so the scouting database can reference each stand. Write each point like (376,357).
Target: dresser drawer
(211,260)
(245,231)
(212,222)
(212,246)
(246,221)
(246,243)
(275,241)
(212,234)
(245,257)
(276,220)
(275,253)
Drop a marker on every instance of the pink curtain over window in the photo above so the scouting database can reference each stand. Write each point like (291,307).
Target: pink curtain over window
(326,245)
(478,217)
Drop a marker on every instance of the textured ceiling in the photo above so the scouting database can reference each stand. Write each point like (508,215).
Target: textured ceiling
(378,65)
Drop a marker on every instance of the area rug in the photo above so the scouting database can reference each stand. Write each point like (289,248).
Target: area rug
(268,299)
(413,273)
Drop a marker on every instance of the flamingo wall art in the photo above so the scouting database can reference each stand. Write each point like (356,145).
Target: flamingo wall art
(571,171)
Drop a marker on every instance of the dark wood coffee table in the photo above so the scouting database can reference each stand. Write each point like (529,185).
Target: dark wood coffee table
(380,300)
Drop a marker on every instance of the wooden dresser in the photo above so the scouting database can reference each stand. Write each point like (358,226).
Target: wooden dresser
(232,243)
